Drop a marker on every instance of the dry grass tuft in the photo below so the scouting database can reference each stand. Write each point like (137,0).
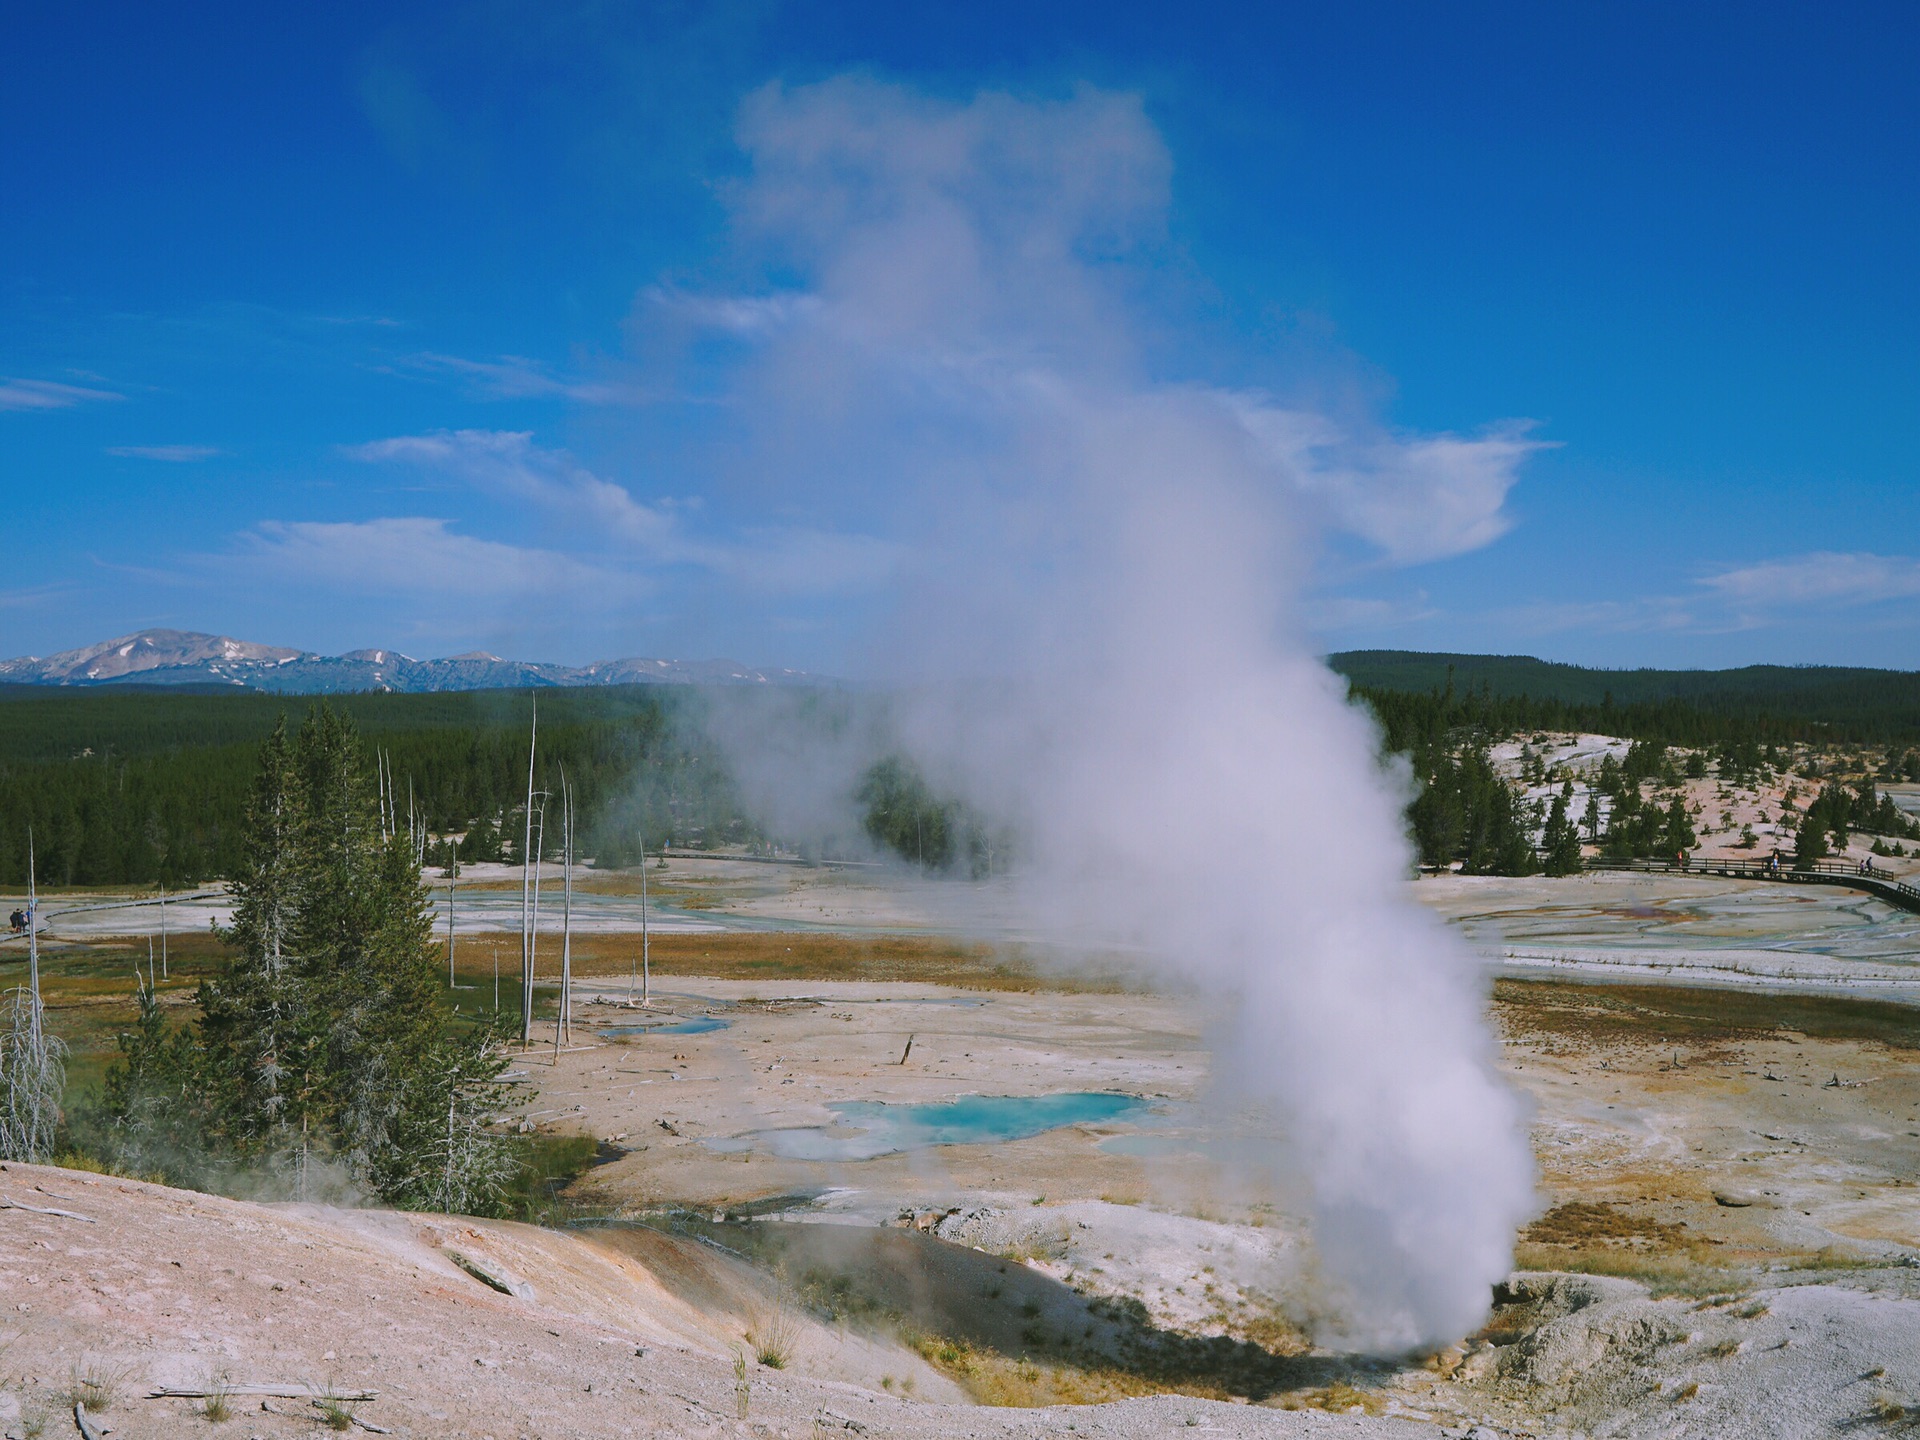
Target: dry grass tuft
(1579,1222)
(97,1383)
(1338,1398)
(773,1333)
(217,1404)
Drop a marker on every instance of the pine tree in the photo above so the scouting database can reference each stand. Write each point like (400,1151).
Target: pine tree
(324,1037)
(1561,841)
(1678,836)
(1810,843)
(394,1082)
(153,1115)
(442,1152)
(261,1035)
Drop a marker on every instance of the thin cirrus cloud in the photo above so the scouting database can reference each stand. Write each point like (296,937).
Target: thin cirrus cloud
(420,556)
(171,454)
(516,377)
(1737,598)
(624,532)
(16,394)
(508,464)
(1827,578)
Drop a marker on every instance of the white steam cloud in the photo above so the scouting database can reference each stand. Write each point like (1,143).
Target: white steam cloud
(1101,630)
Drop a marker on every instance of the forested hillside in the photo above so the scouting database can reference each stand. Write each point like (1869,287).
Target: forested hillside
(1681,707)
(149,787)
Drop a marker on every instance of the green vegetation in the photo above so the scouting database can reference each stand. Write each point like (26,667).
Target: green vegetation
(901,813)
(321,1047)
(150,788)
(1770,703)
(1466,811)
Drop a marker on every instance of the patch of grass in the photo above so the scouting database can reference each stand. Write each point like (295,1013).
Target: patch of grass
(1686,1391)
(742,1383)
(1579,1222)
(788,955)
(1697,1015)
(1829,1258)
(549,1164)
(217,1404)
(97,1383)
(1664,1274)
(773,1334)
(1891,1410)
(1338,1398)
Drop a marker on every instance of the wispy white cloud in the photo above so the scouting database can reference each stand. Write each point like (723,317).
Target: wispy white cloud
(1734,598)
(422,556)
(1632,615)
(19,394)
(1334,614)
(515,377)
(625,532)
(1414,498)
(1825,578)
(744,315)
(507,463)
(174,454)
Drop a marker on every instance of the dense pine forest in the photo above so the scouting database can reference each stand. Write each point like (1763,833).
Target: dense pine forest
(148,787)
(1510,693)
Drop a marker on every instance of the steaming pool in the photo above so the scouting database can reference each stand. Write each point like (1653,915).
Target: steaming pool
(867,1129)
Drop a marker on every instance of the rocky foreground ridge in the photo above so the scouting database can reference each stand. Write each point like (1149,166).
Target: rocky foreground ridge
(459,1327)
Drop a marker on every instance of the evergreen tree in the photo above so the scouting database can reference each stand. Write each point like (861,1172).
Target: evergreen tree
(324,1034)
(1810,843)
(261,1035)
(1677,836)
(153,1116)
(441,1154)
(1561,841)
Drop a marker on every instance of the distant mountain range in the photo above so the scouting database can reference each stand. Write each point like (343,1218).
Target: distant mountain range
(184,657)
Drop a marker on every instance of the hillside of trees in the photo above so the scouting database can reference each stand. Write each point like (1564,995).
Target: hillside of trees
(151,787)
(1778,703)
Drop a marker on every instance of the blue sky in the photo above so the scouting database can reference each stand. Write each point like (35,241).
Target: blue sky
(441,326)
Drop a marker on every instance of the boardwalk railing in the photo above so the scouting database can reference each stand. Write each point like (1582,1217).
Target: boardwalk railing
(1819,872)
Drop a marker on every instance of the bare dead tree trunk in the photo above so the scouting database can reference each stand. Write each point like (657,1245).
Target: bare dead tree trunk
(563,1022)
(526,894)
(32,1068)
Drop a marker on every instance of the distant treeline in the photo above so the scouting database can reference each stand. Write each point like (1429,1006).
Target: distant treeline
(150,787)
(1413,692)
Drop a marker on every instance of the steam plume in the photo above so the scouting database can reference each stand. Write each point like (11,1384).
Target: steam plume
(967,365)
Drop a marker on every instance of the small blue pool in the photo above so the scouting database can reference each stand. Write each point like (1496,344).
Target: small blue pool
(864,1129)
(698,1026)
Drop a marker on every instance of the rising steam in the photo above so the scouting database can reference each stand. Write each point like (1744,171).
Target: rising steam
(1099,627)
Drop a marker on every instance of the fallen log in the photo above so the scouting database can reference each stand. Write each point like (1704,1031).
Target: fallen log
(492,1277)
(278,1392)
(86,1426)
(7,1202)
